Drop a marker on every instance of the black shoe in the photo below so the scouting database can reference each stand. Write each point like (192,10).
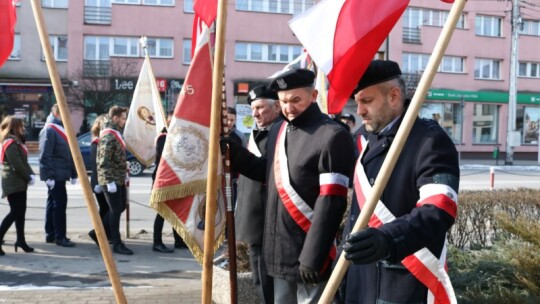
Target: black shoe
(162,248)
(120,248)
(65,243)
(24,247)
(93,236)
(49,240)
(2,251)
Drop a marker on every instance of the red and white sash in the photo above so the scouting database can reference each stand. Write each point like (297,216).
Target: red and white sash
(95,140)
(6,144)
(300,211)
(115,133)
(252,146)
(59,129)
(424,265)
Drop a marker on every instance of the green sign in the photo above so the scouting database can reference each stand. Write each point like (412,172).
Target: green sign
(482,96)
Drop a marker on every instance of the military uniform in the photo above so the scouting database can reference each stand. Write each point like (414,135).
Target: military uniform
(112,168)
(314,145)
(428,157)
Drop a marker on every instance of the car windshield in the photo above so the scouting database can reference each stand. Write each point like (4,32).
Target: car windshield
(85,139)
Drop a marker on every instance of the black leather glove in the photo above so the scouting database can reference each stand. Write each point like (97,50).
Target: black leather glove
(366,246)
(308,275)
(224,141)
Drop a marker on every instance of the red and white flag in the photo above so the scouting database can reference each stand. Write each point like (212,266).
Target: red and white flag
(179,192)
(8,18)
(146,118)
(342,37)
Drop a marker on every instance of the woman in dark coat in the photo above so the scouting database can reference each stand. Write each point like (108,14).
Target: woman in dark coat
(16,176)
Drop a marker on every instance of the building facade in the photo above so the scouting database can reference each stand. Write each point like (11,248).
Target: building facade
(97,50)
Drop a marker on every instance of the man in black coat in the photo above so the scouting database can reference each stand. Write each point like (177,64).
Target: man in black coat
(252,194)
(400,257)
(307,169)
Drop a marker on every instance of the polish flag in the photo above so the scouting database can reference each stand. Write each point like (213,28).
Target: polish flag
(179,191)
(342,37)
(206,10)
(8,18)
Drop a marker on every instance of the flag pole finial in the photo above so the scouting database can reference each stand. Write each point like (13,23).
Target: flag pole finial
(144,44)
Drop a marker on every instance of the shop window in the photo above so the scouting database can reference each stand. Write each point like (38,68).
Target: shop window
(485,124)
(448,115)
(528,122)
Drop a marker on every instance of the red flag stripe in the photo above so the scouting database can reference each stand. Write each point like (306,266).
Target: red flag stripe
(440,201)
(8,18)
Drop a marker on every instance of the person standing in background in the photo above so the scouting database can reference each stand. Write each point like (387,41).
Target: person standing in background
(55,168)
(249,217)
(159,220)
(112,173)
(16,176)
(98,192)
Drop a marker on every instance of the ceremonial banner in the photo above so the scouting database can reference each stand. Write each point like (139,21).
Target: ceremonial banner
(146,118)
(342,37)
(8,18)
(180,186)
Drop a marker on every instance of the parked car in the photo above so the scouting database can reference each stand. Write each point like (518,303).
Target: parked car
(135,166)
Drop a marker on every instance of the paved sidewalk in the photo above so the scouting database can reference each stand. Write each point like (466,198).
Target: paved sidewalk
(54,274)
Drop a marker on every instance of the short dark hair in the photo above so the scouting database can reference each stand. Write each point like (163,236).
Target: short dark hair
(231,110)
(117,111)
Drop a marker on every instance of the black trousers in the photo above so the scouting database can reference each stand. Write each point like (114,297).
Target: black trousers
(103,210)
(158,229)
(17,212)
(55,213)
(117,205)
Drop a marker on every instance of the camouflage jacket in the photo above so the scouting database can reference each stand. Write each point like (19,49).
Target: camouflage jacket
(111,155)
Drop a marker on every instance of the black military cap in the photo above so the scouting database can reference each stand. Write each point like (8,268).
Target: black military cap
(378,71)
(349,116)
(261,92)
(292,79)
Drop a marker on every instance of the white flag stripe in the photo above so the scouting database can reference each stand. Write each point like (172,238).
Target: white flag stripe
(434,189)
(320,43)
(333,179)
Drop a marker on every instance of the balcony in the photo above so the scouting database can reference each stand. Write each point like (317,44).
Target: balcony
(97,15)
(96,68)
(411,35)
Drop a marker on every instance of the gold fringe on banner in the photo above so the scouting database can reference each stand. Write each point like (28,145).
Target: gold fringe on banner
(188,238)
(178,191)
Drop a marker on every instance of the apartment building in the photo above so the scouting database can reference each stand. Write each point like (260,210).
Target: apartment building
(471,85)
(472,82)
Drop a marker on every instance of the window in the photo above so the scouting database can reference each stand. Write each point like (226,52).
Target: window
(414,63)
(529,69)
(530,27)
(16,52)
(452,64)
(125,46)
(528,121)
(487,69)
(414,17)
(126,1)
(488,26)
(259,52)
(485,124)
(59,48)
(96,48)
(54,3)
(448,115)
(158,2)
(160,47)
(188,6)
(274,6)
(186,51)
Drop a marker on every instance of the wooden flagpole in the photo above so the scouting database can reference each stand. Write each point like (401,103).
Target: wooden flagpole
(396,147)
(211,185)
(76,152)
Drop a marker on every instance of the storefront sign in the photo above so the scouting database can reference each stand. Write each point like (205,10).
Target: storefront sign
(123,84)
(481,96)
(7,89)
